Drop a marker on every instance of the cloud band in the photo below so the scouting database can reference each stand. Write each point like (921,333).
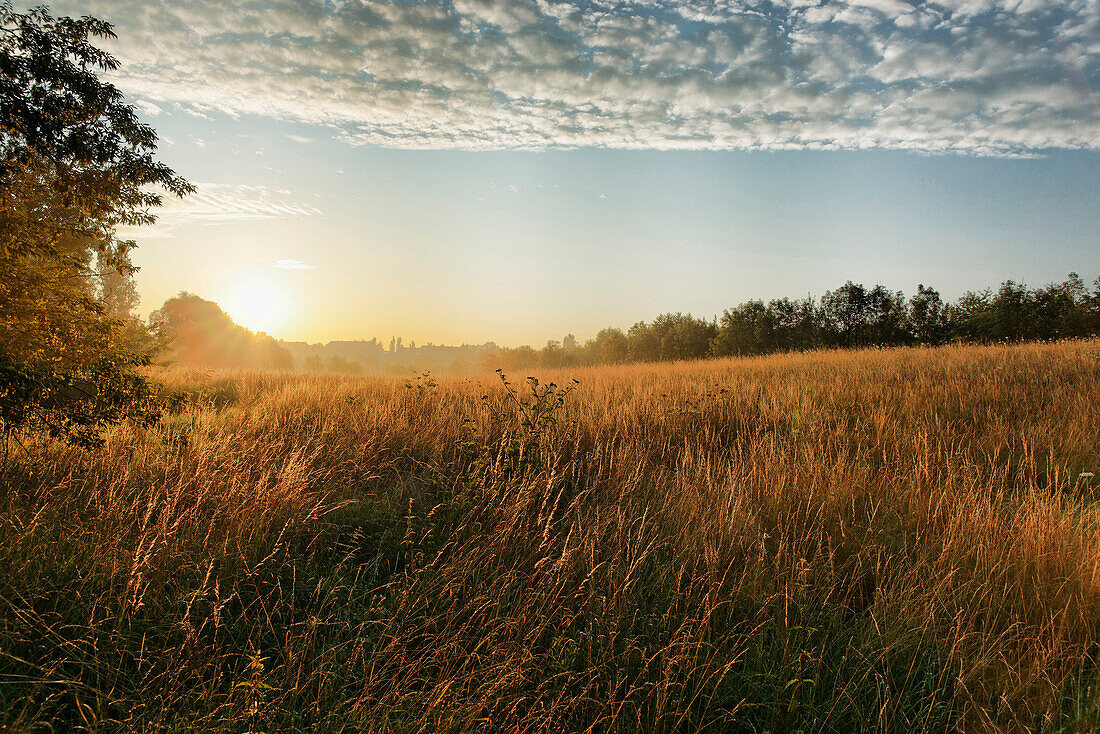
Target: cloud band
(972,76)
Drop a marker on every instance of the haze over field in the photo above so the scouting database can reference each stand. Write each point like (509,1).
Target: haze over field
(464,172)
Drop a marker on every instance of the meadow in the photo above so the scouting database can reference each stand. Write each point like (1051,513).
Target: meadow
(877,540)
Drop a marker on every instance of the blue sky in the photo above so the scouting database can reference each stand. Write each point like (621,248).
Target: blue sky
(466,171)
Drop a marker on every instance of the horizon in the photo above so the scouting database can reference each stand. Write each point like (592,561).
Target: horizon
(989,292)
(465,173)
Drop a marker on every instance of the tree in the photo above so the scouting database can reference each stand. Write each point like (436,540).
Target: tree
(1091,305)
(75,164)
(609,347)
(888,318)
(1061,309)
(552,355)
(199,332)
(927,317)
(684,337)
(337,365)
(642,343)
(847,311)
(1014,312)
(798,324)
(855,316)
(746,329)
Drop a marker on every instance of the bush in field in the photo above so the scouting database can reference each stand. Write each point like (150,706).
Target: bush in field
(519,428)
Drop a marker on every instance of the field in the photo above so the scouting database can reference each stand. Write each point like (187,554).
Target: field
(903,540)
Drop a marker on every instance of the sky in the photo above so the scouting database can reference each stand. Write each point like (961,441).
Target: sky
(466,171)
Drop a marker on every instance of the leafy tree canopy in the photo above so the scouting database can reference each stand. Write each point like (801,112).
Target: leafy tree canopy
(74,159)
(75,165)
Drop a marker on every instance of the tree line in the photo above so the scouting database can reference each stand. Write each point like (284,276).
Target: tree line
(851,316)
(191,330)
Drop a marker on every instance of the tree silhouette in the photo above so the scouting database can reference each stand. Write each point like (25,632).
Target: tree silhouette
(747,329)
(198,332)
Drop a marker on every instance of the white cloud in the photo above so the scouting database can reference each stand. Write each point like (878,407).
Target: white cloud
(214,203)
(147,108)
(977,76)
(293,265)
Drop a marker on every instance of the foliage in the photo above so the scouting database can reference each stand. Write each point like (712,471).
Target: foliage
(75,405)
(75,164)
(337,365)
(852,316)
(610,347)
(520,425)
(927,322)
(197,332)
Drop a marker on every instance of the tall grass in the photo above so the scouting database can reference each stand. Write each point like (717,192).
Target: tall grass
(845,541)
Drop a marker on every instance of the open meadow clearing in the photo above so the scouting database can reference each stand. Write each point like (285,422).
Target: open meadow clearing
(549,366)
(903,540)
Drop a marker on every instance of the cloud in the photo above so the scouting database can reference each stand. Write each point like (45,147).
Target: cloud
(1000,77)
(147,108)
(214,203)
(299,139)
(293,265)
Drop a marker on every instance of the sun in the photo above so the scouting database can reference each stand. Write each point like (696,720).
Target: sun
(258,307)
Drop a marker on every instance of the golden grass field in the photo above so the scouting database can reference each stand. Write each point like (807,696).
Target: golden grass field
(904,540)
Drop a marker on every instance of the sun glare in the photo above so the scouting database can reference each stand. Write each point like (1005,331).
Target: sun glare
(258,307)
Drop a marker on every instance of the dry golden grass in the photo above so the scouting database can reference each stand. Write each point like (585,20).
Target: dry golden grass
(863,541)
